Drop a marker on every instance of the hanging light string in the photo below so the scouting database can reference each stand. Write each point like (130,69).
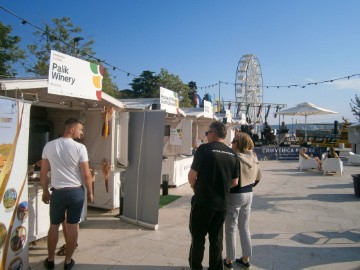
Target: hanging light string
(27,22)
(114,68)
(281,86)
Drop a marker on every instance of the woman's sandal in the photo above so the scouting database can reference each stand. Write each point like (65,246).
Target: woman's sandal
(62,250)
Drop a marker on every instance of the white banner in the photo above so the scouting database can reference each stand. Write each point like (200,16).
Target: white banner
(169,100)
(70,76)
(208,109)
(175,136)
(14,206)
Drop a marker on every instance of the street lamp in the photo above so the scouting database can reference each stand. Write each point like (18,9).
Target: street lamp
(76,41)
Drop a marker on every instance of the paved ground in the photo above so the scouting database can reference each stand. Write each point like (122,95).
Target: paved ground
(300,220)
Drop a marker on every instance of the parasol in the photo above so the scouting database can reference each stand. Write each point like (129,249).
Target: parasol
(305,109)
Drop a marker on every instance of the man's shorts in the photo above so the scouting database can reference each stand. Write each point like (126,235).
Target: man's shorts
(66,204)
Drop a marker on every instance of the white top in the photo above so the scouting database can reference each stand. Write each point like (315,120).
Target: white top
(65,155)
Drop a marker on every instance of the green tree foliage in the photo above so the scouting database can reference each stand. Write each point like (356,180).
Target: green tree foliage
(126,93)
(174,83)
(355,107)
(10,52)
(193,90)
(109,87)
(146,85)
(64,37)
(60,36)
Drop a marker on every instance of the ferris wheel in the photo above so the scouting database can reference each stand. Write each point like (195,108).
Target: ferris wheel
(248,89)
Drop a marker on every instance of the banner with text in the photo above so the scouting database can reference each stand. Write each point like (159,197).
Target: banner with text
(169,100)
(70,76)
(14,199)
(208,109)
(285,153)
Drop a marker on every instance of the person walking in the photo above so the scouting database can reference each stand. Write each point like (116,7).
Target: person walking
(240,200)
(69,165)
(214,171)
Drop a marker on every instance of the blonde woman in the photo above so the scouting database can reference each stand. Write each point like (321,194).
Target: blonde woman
(332,153)
(239,203)
(306,156)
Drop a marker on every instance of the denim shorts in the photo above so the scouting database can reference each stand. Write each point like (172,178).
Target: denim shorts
(66,204)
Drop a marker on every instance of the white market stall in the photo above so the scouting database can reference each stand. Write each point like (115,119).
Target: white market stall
(47,115)
(37,115)
(202,118)
(177,144)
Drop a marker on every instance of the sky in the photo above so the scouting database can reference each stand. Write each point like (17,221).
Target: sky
(296,43)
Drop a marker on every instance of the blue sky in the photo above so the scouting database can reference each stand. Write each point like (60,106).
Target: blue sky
(296,42)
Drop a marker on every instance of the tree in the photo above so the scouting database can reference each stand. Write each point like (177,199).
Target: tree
(126,93)
(64,37)
(146,85)
(193,91)
(174,83)
(10,52)
(108,86)
(355,107)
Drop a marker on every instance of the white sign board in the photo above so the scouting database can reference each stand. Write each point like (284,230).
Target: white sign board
(208,109)
(70,76)
(175,136)
(169,100)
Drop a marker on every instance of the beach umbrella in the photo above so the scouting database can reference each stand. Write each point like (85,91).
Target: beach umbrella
(305,109)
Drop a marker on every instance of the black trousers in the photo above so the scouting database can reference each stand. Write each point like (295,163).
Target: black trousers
(205,221)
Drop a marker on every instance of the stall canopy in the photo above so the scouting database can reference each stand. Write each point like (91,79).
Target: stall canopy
(35,90)
(145,104)
(305,109)
(196,113)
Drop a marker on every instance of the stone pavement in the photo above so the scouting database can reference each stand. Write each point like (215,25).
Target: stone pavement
(300,220)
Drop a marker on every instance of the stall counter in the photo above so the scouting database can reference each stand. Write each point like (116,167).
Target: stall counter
(39,219)
(177,167)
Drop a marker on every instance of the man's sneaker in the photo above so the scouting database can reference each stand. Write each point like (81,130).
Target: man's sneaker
(68,266)
(228,266)
(48,264)
(242,264)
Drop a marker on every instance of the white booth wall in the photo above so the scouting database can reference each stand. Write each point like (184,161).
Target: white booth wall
(177,151)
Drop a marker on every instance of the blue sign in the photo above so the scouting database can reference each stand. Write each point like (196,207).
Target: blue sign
(286,153)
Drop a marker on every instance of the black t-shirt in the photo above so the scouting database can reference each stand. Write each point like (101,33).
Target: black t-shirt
(217,165)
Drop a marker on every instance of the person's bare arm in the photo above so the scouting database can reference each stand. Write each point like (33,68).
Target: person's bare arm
(86,175)
(234,182)
(192,176)
(45,168)
(304,155)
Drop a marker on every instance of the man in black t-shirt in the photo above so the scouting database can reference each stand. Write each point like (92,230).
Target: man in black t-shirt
(214,171)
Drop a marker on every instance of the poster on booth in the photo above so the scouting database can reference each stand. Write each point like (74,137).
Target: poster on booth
(169,101)
(208,109)
(73,77)
(14,208)
(175,136)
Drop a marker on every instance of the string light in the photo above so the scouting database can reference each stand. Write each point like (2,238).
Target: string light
(285,86)
(26,22)
(51,37)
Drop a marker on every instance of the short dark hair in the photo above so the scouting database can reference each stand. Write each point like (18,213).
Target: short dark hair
(72,121)
(219,128)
